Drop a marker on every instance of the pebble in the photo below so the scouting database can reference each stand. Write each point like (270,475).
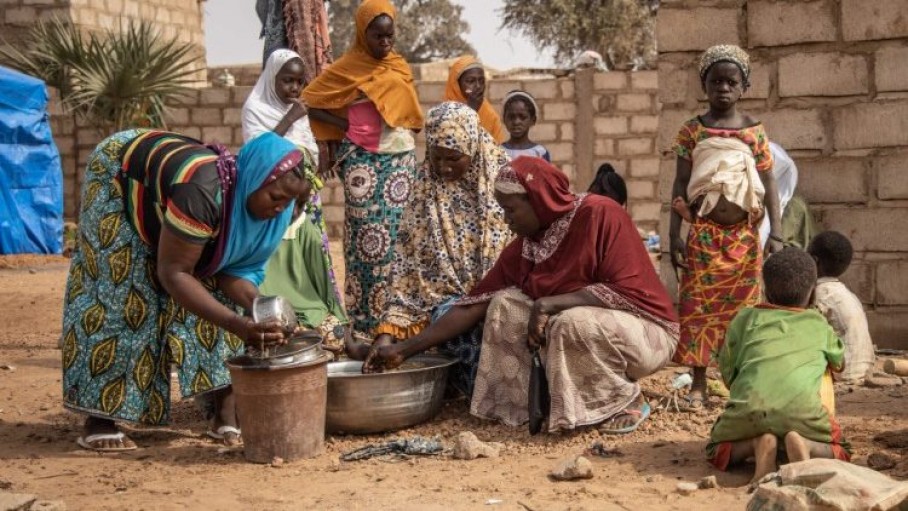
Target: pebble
(880,461)
(48,505)
(468,447)
(686,488)
(708,482)
(573,468)
(277,461)
(16,500)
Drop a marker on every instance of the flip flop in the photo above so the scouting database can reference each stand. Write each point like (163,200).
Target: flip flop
(87,441)
(692,404)
(643,413)
(222,431)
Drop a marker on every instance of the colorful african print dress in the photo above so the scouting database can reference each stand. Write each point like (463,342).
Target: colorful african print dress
(724,262)
(121,330)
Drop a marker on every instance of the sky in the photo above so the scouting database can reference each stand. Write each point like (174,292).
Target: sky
(232,30)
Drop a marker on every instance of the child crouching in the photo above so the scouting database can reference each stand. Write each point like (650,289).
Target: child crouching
(773,362)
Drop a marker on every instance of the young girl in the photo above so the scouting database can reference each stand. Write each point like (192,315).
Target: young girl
(724,179)
(519,116)
(609,183)
(467,85)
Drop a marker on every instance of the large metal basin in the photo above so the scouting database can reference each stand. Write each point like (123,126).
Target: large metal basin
(373,403)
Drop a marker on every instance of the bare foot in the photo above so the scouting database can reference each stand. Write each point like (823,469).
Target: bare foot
(680,206)
(765,450)
(98,426)
(356,350)
(696,398)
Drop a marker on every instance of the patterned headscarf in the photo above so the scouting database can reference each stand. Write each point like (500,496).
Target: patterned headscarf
(725,53)
(452,231)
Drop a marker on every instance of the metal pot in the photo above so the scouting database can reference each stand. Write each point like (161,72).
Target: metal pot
(302,347)
(371,403)
(266,309)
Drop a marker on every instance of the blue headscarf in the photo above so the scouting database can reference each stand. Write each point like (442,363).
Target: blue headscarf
(248,241)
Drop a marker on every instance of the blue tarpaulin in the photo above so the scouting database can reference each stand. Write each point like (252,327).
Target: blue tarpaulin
(31,180)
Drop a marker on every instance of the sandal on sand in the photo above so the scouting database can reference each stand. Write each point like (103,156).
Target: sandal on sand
(642,414)
(691,404)
(87,442)
(222,432)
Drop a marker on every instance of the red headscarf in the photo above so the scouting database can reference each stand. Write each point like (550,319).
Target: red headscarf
(587,242)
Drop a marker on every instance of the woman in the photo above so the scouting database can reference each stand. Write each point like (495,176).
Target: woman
(576,284)
(367,100)
(467,85)
(173,235)
(301,269)
(450,236)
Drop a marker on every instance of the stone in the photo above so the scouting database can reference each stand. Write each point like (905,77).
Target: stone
(48,505)
(16,501)
(277,461)
(878,381)
(702,27)
(708,482)
(685,488)
(822,74)
(468,447)
(880,461)
(890,69)
(879,19)
(572,468)
(790,22)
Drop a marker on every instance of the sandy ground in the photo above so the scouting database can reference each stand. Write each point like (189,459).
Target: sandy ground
(177,468)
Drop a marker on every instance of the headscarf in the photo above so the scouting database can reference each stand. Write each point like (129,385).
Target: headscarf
(487,115)
(452,231)
(725,53)
(590,243)
(263,109)
(523,95)
(785,173)
(388,82)
(246,242)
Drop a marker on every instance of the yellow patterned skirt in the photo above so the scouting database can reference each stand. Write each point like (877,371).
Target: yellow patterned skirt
(121,330)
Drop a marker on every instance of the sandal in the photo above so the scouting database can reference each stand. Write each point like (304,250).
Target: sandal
(88,441)
(691,404)
(643,413)
(222,432)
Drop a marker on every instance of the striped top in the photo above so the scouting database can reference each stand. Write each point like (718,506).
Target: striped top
(172,180)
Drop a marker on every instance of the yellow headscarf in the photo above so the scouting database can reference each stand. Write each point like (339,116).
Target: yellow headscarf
(387,82)
(488,117)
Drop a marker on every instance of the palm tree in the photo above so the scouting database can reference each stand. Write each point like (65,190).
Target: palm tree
(115,78)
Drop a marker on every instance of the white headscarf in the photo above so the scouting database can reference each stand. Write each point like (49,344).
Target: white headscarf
(785,173)
(264,110)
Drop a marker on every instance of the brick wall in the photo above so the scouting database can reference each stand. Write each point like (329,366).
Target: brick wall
(831,85)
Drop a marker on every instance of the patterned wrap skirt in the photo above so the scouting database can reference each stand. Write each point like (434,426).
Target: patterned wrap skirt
(376,190)
(464,348)
(121,330)
(724,264)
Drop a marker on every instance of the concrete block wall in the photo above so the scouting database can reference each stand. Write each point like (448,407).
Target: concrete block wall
(830,83)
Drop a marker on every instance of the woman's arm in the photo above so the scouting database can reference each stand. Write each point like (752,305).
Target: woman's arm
(679,189)
(327,117)
(771,201)
(296,112)
(548,306)
(239,290)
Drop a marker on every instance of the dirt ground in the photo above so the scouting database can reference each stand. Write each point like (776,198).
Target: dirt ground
(178,468)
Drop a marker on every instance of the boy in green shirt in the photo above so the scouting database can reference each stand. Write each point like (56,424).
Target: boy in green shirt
(773,361)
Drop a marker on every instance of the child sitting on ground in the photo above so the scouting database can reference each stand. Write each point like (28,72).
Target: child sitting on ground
(832,252)
(519,116)
(773,362)
(609,183)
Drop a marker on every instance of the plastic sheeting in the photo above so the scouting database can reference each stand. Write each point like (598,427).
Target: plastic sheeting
(31,179)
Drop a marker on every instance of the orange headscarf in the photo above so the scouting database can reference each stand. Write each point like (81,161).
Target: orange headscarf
(387,82)
(488,117)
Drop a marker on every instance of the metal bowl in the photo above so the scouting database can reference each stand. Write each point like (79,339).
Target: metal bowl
(373,403)
(266,309)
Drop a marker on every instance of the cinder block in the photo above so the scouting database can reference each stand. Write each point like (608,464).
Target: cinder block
(609,80)
(670,122)
(676,84)
(240,93)
(869,125)
(544,132)
(604,147)
(645,211)
(497,89)
(870,229)
(790,22)
(567,131)
(233,116)
(892,283)
(542,89)
(177,116)
(644,124)
(833,180)
(635,146)
(645,80)
(20,15)
(645,167)
(879,19)
(206,116)
(891,69)
(193,132)
(214,96)
(567,88)
(892,177)
(568,170)
(637,189)
(430,92)
(759,81)
(859,279)
(634,102)
(561,151)
(822,74)
(795,129)
(616,125)
(697,28)
(558,111)
(222,134)
(888,327)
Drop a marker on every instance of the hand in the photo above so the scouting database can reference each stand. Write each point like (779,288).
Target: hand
(260,335)
(297,111)
(474,97)
(383,357)
(773,245)
(539,318)
(678,252)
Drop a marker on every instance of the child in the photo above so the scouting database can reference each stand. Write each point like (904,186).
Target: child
(832,252)
(519,116)
(609,183)
(724,177)
(773,362)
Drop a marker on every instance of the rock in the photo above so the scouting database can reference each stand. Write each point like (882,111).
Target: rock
(48,505)
(16,501)
(4,484)
(468,447)
(708,482)
(8,367)
(573,468)
(879,381)
(686,488)
(880,461)
(277,461)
